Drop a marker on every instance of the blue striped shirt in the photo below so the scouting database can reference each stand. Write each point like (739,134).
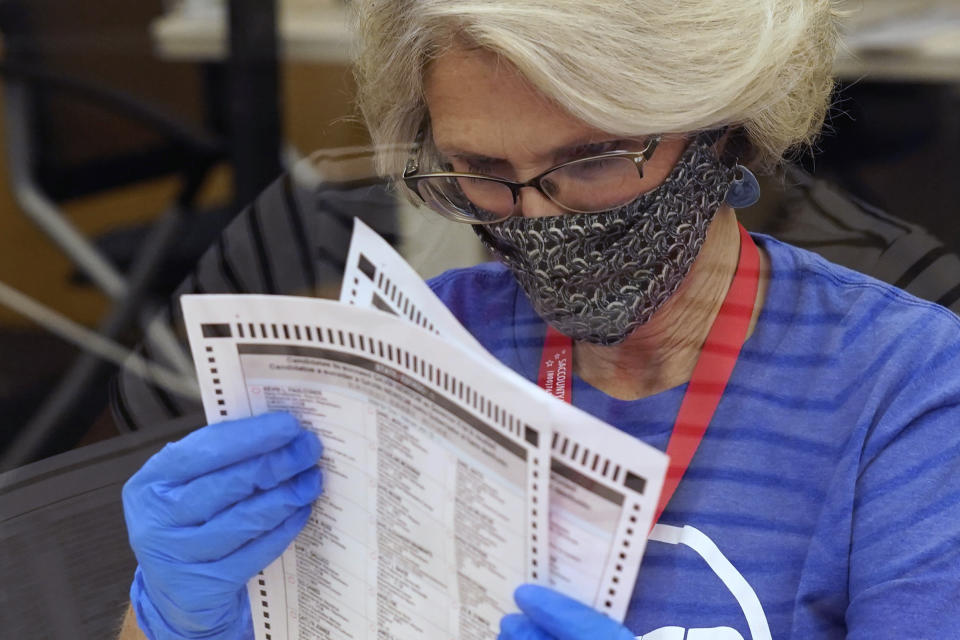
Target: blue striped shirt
(828,483)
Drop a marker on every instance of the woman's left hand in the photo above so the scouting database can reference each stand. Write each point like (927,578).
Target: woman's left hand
(548,615)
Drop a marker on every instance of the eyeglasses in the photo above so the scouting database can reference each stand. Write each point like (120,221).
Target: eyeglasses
(585,185)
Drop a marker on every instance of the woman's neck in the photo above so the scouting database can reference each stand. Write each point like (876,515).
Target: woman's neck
(662,353)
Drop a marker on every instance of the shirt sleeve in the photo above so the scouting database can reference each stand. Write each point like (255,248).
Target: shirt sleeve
(904,564)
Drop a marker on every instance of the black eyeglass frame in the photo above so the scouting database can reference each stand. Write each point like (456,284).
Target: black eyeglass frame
(411,178)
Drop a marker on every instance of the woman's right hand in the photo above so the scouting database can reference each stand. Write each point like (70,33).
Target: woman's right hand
(207,513)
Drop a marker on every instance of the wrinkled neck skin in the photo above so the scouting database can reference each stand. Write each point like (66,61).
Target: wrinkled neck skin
(662,353)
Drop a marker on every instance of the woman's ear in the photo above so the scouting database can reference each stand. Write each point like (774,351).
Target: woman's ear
(734,146)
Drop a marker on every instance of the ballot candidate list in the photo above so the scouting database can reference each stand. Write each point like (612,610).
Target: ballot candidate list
(417,534)
(584,520)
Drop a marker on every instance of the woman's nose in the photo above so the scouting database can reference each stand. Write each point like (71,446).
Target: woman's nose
(533,204)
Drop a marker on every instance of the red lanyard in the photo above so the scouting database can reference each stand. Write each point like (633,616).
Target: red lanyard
(710,374)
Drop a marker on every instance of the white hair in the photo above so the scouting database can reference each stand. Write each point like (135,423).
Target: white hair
(628,67)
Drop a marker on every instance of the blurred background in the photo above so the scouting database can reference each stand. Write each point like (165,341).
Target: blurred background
(115,114)
(133,133)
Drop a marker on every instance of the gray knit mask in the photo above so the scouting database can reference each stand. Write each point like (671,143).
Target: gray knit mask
(596,277)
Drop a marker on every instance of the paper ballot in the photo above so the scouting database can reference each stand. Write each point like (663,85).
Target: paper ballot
(435,500)
(604,484)
(449,479)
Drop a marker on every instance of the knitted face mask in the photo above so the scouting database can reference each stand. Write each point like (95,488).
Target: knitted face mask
(596,277)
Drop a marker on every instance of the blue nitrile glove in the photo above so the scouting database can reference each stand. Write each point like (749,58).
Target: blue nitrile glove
(205,514)
(548,615)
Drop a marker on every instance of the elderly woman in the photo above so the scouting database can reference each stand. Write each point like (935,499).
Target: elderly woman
(600,149)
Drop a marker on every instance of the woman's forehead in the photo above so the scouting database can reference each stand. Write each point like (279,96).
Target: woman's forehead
(480,105)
